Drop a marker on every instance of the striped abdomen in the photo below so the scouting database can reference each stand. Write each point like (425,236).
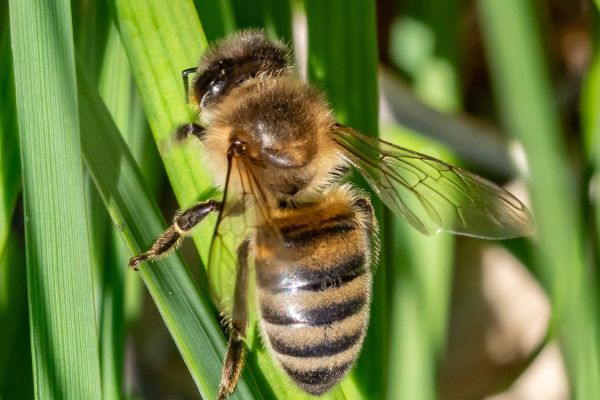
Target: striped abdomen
(314,295)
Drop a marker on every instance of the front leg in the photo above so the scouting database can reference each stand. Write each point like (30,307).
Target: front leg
(192,128)
(183,222)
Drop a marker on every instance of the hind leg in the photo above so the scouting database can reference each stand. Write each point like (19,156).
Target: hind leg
(234,360)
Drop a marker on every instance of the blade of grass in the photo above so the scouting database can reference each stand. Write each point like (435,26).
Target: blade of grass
(112,321)
(16,379)
(590,98)
(115,88)
(122,293)
(63,326)
(275,16)
(342,59)
(423,265)
(216,17)
(98,226)
(533,121)
(143,149)
(142,145)
(422,270)
(525,99)
(91,22)
(10,165)
(185,311)
(591,129)
(13,300)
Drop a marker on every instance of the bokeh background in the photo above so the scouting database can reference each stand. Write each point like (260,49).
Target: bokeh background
(91,91)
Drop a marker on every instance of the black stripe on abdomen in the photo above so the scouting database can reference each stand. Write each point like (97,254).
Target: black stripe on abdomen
(315,316)
(321,349)
(318,376)
(301,235)
(311,278)
(318,381)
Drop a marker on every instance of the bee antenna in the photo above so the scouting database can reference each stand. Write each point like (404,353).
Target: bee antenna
(184,75)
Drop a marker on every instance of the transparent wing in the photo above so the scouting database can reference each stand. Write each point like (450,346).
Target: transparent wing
(432,195)
(243,207)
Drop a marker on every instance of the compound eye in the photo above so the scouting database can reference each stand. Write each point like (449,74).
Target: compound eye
(216,82)
(209,86)
(213,91)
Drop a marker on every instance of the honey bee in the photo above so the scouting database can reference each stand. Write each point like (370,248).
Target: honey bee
(279,157)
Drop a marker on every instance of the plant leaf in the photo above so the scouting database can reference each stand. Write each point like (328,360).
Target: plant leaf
(526,101)
(10,164)
(61,301)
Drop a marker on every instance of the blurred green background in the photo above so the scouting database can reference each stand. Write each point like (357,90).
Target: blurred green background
(91,92)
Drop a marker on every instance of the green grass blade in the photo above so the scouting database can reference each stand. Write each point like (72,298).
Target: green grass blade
(141,144)
(427,36)
(590,98)
(61,302)
(116,83)
(420,293)
(16,379)
(112,322)
(591,130)
(143,147)
(524,93)
(186,312)
(275,16)
(342,59)
(115,88)
(10,165)
(216,17)
(122,293)
(91,23)
(526,104)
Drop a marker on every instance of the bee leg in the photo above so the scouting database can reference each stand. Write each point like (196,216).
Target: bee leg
(236,353)
(185,130)
(183,222)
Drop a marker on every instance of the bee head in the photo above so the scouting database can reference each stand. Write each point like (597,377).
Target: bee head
(233,60)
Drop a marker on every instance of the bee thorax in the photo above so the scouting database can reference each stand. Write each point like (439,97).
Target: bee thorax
(285,125)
